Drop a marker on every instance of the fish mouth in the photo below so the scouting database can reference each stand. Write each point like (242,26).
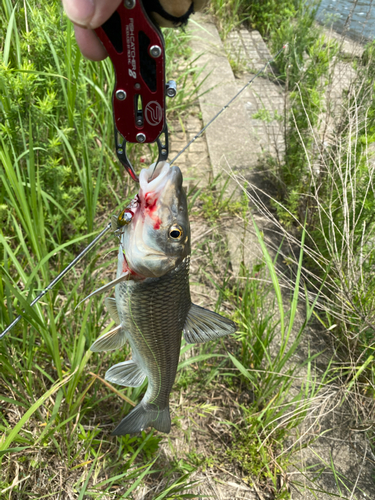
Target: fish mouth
(151,178)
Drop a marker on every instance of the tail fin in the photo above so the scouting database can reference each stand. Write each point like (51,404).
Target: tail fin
(144,415)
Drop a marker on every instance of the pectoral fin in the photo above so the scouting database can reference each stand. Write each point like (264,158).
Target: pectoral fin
(127,373)
(110,304)
(203,325)
(114,339)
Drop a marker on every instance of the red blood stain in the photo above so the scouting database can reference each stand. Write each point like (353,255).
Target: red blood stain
(126,268)
(150,208)
(150,200)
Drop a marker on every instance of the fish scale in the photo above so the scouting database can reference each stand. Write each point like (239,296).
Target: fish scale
(153,313)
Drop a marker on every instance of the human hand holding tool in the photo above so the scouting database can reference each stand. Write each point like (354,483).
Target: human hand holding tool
(88,15)
(129,33)
(136,48)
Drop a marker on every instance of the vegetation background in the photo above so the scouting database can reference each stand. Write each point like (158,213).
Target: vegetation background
(60,181)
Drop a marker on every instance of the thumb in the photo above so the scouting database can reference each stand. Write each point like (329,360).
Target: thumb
(90,13)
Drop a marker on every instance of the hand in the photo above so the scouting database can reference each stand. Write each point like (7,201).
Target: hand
(86,16)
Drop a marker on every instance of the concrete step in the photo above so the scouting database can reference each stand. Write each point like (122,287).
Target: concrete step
(240,136)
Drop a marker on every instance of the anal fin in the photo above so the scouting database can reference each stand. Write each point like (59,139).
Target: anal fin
(202,325)
(127,373)
(114,339)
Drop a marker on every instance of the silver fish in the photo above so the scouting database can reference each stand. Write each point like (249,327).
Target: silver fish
(152,305)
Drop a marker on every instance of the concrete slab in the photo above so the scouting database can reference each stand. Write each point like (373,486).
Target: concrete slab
(227,138)
(244,132)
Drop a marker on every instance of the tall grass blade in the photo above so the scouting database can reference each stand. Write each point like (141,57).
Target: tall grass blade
(16,429)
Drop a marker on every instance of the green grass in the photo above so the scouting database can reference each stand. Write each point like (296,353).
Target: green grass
(327,173)
(59,184)
(269,17)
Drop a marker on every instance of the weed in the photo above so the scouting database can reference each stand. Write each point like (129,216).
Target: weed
(214,202)
(326,175)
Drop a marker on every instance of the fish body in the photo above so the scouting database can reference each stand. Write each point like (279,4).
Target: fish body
(154,312)
(152,304)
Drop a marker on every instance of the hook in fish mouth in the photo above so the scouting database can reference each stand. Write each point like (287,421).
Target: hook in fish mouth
(158,165)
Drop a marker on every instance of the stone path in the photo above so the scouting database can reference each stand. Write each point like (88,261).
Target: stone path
(263,100)
(245,136)
(241,135)
(195,161)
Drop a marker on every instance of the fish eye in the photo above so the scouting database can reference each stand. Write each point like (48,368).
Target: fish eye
(175,232)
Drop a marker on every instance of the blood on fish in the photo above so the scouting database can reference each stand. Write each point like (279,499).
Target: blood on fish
(150,208)
(150,200)
(126,269)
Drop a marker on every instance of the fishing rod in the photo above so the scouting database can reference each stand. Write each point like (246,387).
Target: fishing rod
(109,225)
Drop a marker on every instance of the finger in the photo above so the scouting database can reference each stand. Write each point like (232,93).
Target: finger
(90,13)
(103,11)
(89,44)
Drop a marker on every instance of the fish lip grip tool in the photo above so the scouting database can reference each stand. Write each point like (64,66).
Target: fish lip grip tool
(136,48)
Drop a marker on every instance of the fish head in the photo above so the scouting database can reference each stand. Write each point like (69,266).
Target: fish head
(158,237)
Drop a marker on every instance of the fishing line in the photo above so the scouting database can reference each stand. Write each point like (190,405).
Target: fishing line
(230,102)
(109,225)
(224,107)
(61,275)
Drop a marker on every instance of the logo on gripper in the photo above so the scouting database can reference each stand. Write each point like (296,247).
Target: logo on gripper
(153,113)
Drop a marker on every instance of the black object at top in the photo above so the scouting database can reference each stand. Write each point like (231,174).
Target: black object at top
(155,6)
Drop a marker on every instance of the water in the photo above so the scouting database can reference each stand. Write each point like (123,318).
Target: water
(361,26)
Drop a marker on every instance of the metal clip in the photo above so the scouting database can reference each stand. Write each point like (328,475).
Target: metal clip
(120,143)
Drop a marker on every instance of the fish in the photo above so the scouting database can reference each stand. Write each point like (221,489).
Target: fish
(152,307)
